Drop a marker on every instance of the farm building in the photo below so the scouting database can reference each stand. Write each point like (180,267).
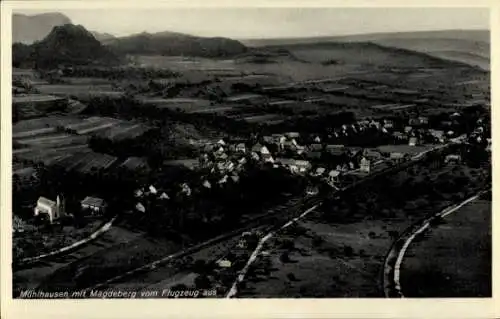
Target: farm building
(96,205)
(53,210)
(365,165)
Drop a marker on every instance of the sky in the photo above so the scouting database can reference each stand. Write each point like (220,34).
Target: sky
(246,23)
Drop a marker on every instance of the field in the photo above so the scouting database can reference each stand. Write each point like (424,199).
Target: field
(339,251)
(32,277)
(87,162)
(108,262)
(453,259)
(83,91)
(35,240)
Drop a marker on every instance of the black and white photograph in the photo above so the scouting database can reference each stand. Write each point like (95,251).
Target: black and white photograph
(251,152)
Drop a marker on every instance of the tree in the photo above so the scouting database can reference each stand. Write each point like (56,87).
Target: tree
(348,251)
(284,257)
(202,282)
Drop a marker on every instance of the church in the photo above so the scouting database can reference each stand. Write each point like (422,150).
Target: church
(53,210)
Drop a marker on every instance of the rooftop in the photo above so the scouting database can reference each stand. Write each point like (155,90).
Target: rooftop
(93,201)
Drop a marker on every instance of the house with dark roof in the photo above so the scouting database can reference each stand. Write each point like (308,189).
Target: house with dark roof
(95,205)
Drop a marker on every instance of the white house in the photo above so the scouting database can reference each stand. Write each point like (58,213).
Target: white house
(152,189)
(164,196)
(140,208)
(207,184)
(365,165)
(224,263)
(94,204)
(333,176)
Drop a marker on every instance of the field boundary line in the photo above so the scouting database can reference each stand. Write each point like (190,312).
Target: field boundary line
(241,276)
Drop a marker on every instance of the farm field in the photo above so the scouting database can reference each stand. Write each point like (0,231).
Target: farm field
(108,262)
(452,259)
(87,162)
(83,91)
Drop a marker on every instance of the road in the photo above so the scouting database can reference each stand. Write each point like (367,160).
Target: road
(415,234)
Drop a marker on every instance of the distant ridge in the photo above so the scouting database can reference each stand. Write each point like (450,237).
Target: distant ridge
(173,43)
(471,47)
(473,35)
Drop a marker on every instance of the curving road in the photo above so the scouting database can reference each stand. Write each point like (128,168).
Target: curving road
(392,273)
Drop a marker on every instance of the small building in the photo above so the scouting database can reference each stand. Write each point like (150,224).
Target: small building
(319,171)
(140,208)
(224,263)
(292,134)
(207,184)
(453,158)
(424,120)
(397,156)
(96,205)
(398,135)
(408,129)
(303,165)
(333,176)
(164,196)
(153,189)
(365,165)
(388,124)
(413,141)
(241,148)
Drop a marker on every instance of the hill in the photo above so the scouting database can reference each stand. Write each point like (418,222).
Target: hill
(174,44)
(102,37)
(467,46)
(30,28)
(67,44)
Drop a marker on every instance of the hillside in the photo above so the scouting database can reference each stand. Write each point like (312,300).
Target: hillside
(174,44)
(102,37)
(30,28)
(466,46)
(67,44)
